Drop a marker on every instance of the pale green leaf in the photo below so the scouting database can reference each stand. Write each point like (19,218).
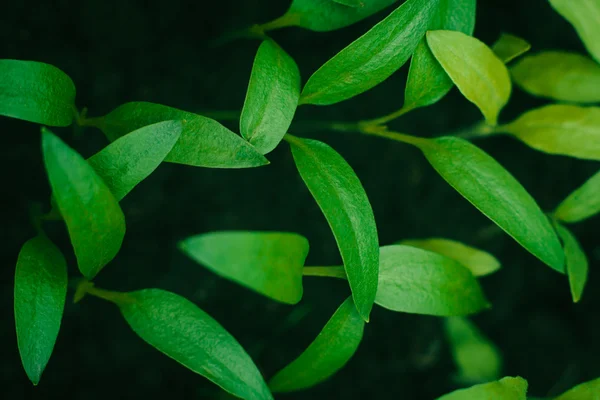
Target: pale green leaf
(373,57)
(179,329)
(575,261)
(342,199)
(559,75)
(40,292)
(508,388)
(203,143)
(584,16)
(36,92)
(268,262)
(584,391)
(508,47)
(327,354)
(560,129)
(474,68)
(582,203)
(94,219)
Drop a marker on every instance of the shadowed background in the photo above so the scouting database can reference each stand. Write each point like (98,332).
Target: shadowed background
(120,51)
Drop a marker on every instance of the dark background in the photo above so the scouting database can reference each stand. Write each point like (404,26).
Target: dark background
(120,51)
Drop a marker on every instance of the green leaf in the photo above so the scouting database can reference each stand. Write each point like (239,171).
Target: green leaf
(132,158)
(40,292)
(268,262)
(585,391)
(427,81)
(36,92)
(203,143)
(497,194)
(373,57)
(185,333)
(352,3)
(508,388)
(327,354)
(559,75)
(94,219)
(582,203)
(477,358)
(508,47)
(477,72)
(560,129)
(343,201)
(477,261)
(422,282)
(575,260)
(584,16)
(272,97)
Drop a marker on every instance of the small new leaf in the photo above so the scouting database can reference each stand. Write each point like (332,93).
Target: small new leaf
(327,354)
(575,261)
(508,388)
(270,263)
(584,16)
(508,47)
(583,203)
(584,391)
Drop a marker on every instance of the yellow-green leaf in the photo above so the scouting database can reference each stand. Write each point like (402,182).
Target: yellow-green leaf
(584,16)
(508,47)
(584,391)
(508,388)
(575,260)
(582,203)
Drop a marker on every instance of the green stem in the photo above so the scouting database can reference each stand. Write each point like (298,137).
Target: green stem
(95,122)
(85,287)
(478,130)
(330,272)
(282,22)
(387,118)
(396,136)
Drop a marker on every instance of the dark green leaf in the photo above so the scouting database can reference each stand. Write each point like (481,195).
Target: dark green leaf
(584,16)
(40,292)
(497,194)
(327,354)
(341,197)
(585,391)
(474,68)
(559,75)
(575,260)
(94,219)
(353,3)
(508,47)
(36,92)
(268,262)
(373,57)
(508,388)
(582,203)
(422,282)
(203,143)
(272,97)
(560,129)
(185,333)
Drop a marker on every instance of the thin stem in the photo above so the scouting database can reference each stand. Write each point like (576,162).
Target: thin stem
(478,130)
(396,136)
(330,272)
(85,287)
(282,22)
(387,118)
(96,122)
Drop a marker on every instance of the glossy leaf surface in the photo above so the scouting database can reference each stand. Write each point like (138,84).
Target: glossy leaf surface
(508,47)
(582,203)
(584,16)
(575,260)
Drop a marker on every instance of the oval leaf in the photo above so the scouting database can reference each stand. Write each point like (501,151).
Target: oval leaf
(328,353)
(585,391)
(421,282)
(270,263)
(477,72)
(508,388)
(203,143)
(584,16)
(477,261)
(560,129)
(94,219)
(340,195)
(40,292)
(36,92)
(559,75)
(497,194)
(582,203)
(478,360)
(508,47)
(272,97)
(373,57)
(185,333)
(575,261)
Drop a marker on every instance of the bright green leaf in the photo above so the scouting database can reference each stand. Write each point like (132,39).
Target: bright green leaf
(508,388)
(179,329)
(582,203)
(203,143)
(94,219)
(508,47)
(479,262)
(373,57)
(272,97)
(474,68)
(575,261)
(477,358)
(270,263)
(585,391)
(560,129)
(497,194)
(36,92)
(559,75)
(341,197)
(584,16)
(352,3)
(427,81)
(422,282)
(327,354)
(40,292)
